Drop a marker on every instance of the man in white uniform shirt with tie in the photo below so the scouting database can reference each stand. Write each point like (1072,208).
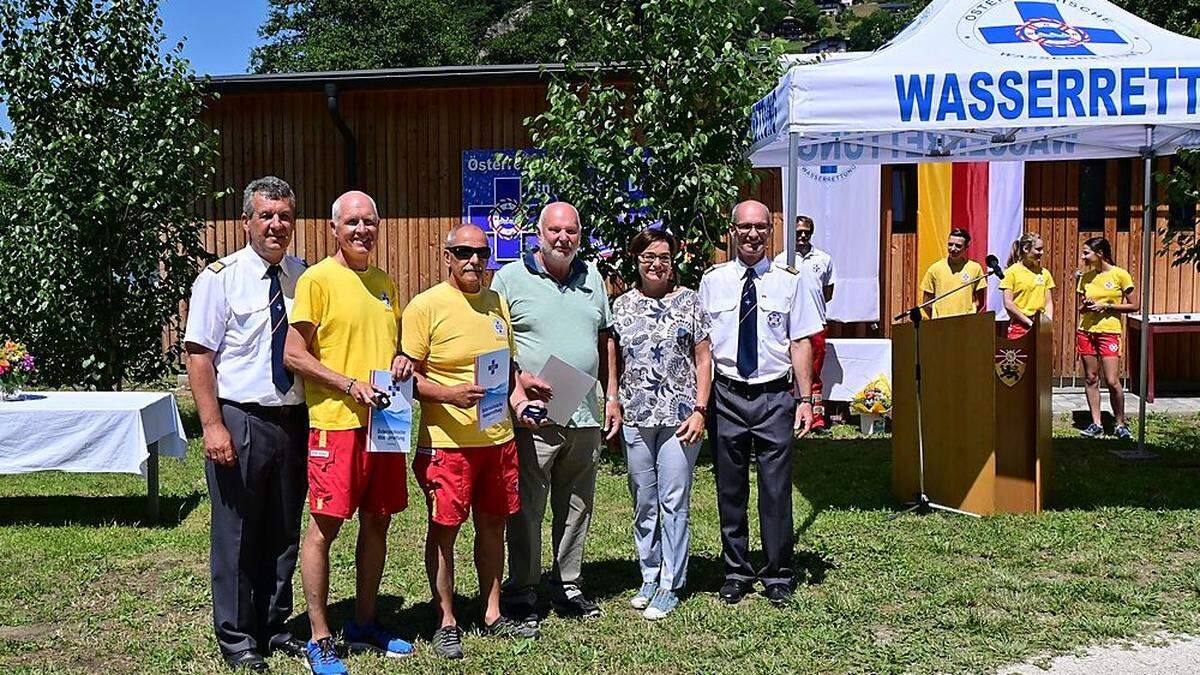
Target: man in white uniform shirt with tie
(761,324)
(255,428)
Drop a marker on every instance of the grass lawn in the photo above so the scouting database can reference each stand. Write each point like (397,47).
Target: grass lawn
(84,587)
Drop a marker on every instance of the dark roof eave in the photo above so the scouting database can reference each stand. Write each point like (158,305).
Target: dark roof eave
(439,76)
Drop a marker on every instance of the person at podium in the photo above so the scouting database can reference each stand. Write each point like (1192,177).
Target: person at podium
(1026,285)
(951,272)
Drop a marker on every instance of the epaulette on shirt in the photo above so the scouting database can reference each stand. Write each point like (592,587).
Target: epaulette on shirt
(217,266)
(787,268)
(717,266)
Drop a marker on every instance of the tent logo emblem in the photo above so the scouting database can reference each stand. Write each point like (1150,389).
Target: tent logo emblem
(828,173)
(1043,24)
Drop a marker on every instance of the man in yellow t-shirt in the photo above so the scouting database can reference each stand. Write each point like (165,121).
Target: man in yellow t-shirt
(460,467)
(344,324)
(951,272)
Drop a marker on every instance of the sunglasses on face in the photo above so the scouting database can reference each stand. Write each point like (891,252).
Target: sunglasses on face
(465,252)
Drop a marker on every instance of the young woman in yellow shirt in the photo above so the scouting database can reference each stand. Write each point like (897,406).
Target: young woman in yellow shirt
(1105,292)
(1026,285)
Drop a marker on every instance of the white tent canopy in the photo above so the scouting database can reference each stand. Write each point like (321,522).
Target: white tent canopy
(993,80)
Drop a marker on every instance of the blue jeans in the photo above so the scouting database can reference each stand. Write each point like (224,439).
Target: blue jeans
(660,482)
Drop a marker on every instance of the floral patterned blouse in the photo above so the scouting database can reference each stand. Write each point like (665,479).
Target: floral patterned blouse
(658,338)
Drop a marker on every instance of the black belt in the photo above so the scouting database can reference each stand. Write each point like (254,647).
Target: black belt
(748,390)
(273,413)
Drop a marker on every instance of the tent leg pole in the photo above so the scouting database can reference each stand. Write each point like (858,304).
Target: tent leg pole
(789,212)
(1147,263)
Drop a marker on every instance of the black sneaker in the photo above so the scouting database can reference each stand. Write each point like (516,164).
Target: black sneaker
(447,642)
(507,628)
(573,604)
(520,610)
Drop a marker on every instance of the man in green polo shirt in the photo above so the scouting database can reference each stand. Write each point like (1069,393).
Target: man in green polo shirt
(559,307)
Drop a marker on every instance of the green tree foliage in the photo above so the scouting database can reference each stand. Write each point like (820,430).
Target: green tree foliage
(98,240)
(316,35)
(676,124)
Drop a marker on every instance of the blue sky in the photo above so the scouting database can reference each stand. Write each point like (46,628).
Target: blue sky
(219,34)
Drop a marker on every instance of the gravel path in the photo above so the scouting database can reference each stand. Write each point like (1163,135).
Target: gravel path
(1168,655)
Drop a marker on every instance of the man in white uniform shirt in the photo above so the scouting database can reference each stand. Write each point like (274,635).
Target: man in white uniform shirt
(255,428)
(761,324)
(816,273)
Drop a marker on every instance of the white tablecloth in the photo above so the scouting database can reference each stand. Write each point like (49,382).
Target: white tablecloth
(851,363)
(88,432)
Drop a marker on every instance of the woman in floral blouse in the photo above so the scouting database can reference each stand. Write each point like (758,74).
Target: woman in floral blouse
(666,376)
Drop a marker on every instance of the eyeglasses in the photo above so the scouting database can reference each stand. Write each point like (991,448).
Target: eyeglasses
(465,252)
(649,258)
(804,233)
(761,228)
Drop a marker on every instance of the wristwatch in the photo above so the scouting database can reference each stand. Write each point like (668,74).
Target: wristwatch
(349,386)
(612,399)
(702,409)
(804,399)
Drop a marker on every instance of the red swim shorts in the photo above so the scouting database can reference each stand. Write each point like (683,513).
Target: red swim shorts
(343,477)
(455,480)
(1104,345)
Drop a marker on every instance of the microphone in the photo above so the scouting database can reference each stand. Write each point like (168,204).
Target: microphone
(993,264)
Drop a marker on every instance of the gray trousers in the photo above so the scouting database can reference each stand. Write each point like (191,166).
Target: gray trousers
(558,463)
(256,508)
(660,482)
(755,428)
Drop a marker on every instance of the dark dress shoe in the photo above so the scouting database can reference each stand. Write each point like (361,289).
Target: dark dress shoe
(248,659)
(778,594)
(289,645)
(733,590)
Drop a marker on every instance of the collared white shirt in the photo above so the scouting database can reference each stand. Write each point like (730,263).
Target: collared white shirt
(229,313)
(785,313)
(816,271)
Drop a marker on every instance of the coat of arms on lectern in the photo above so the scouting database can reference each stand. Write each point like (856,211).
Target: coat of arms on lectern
(1010,365)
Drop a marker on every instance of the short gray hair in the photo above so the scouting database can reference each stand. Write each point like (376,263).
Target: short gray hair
(336,209)
(268,186)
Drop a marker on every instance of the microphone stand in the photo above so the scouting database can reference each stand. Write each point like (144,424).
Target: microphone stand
(922,503)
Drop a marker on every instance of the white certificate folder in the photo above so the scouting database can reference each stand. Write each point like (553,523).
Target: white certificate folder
(390,429)
(491,373)
(570,384)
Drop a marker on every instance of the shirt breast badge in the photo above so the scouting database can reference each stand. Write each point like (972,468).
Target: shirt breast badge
(498,325)
(1108,284)
(966,276)
(383,296)
(1039,280)
(775,319)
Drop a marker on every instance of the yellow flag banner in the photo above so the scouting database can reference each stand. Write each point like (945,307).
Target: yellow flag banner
(935,187)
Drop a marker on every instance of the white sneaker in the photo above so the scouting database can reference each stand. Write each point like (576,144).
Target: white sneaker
(642,599)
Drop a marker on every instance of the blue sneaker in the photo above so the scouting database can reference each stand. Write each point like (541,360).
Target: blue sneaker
(664,603)
(322,659)
(644,595)
(376,639)
(1093,431)
(1122,432)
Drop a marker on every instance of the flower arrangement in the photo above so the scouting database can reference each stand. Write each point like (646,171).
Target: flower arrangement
(874,399)
(16,368)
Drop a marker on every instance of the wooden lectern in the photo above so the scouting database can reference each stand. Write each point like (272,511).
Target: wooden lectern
(987,414)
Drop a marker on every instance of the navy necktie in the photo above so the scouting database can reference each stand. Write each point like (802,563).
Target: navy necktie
(747,353)
(279,325)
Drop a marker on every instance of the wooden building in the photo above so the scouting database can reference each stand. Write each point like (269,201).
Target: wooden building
(400,135)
